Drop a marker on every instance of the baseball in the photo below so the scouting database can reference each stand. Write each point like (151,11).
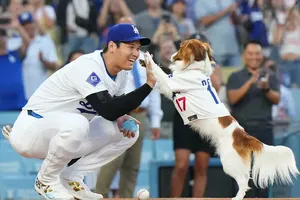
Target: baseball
(142,194)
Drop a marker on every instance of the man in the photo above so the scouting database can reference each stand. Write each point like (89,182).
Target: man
(215,16)
(58,123)
(252,92)
(12,95)
(129,162)
(40,55)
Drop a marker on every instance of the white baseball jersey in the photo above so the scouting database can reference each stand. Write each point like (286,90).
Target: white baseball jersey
(67,88)
(194,96)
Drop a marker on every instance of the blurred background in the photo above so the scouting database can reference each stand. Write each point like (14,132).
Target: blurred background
(38,37)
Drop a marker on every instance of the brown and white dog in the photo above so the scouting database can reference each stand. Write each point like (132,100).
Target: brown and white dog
(195,99)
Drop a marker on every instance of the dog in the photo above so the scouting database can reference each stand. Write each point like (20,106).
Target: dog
(196,100)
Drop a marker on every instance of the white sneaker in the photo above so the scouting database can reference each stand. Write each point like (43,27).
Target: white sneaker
(52,192)
(79,190)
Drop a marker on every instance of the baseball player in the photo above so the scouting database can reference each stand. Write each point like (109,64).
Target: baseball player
(73,120)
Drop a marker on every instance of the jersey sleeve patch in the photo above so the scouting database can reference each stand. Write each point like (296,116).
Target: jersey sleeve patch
(93,79)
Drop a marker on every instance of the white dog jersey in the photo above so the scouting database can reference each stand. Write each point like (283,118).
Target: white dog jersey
(194,96)
(67,88)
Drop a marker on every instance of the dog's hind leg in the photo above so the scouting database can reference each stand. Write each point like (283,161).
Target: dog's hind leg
(238,169)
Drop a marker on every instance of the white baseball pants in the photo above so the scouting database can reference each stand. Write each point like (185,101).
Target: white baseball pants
(59,137)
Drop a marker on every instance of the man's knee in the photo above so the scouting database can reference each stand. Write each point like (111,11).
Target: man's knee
(20,147)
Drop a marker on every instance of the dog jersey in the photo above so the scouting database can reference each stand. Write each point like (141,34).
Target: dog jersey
(194,96)
(67,88)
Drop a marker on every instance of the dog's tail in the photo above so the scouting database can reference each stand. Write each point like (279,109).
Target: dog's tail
(273,164)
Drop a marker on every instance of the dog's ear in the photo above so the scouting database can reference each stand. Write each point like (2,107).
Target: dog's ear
(193,50)
(209,51)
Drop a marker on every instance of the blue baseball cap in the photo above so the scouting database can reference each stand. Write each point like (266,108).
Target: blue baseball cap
(126,33)
(25,17)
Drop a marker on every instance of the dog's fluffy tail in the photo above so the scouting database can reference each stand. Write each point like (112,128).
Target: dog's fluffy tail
(273,164)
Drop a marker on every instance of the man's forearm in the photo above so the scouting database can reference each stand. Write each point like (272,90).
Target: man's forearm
(210,19)
(111,108)
(49,65)
(273,96)
(236,95)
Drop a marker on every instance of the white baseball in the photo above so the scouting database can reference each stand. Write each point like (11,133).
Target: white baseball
(142,194)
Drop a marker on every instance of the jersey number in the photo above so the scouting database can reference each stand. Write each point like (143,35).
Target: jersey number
(181,103)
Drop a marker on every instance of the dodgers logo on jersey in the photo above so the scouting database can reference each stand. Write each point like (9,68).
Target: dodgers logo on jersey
(93,79)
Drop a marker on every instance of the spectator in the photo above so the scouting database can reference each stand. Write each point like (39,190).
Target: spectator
(40,55)
(81,21)
(252,18)
(252,92)
(166,49)
(186,25)
(12,96)
(189,8)
(286,37)
(129,162)
(155,22)
(136,6)
(215,16)
(74,55)
(45,16)
(112,11)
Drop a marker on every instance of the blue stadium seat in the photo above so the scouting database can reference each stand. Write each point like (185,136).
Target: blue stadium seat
(296,95)
(32,165)
(8,117)
(143,178)
(10,161)
(18,187)
(147,154)
(163,149)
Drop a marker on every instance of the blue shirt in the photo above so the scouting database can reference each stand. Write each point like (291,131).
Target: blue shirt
(258,30)
(12,96)
(222,33)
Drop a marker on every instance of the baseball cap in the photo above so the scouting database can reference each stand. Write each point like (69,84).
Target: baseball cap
(126,33)
(3,32)
(25,17)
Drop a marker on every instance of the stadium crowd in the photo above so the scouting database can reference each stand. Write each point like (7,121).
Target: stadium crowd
(38,37)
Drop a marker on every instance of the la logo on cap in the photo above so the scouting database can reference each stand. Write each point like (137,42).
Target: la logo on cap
(135,30)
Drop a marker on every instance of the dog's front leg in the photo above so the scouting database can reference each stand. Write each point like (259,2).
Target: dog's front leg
(161,77)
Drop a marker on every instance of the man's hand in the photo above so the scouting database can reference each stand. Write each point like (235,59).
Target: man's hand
(254,77)
(263,83)
(41,57)
(155,133)
(151,81)
(15,24)
(121,120)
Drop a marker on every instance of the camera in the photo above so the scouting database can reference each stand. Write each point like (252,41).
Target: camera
(166,17)
(263,74)
(4,21)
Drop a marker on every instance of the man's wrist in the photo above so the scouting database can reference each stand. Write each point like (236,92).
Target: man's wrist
(150,84)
